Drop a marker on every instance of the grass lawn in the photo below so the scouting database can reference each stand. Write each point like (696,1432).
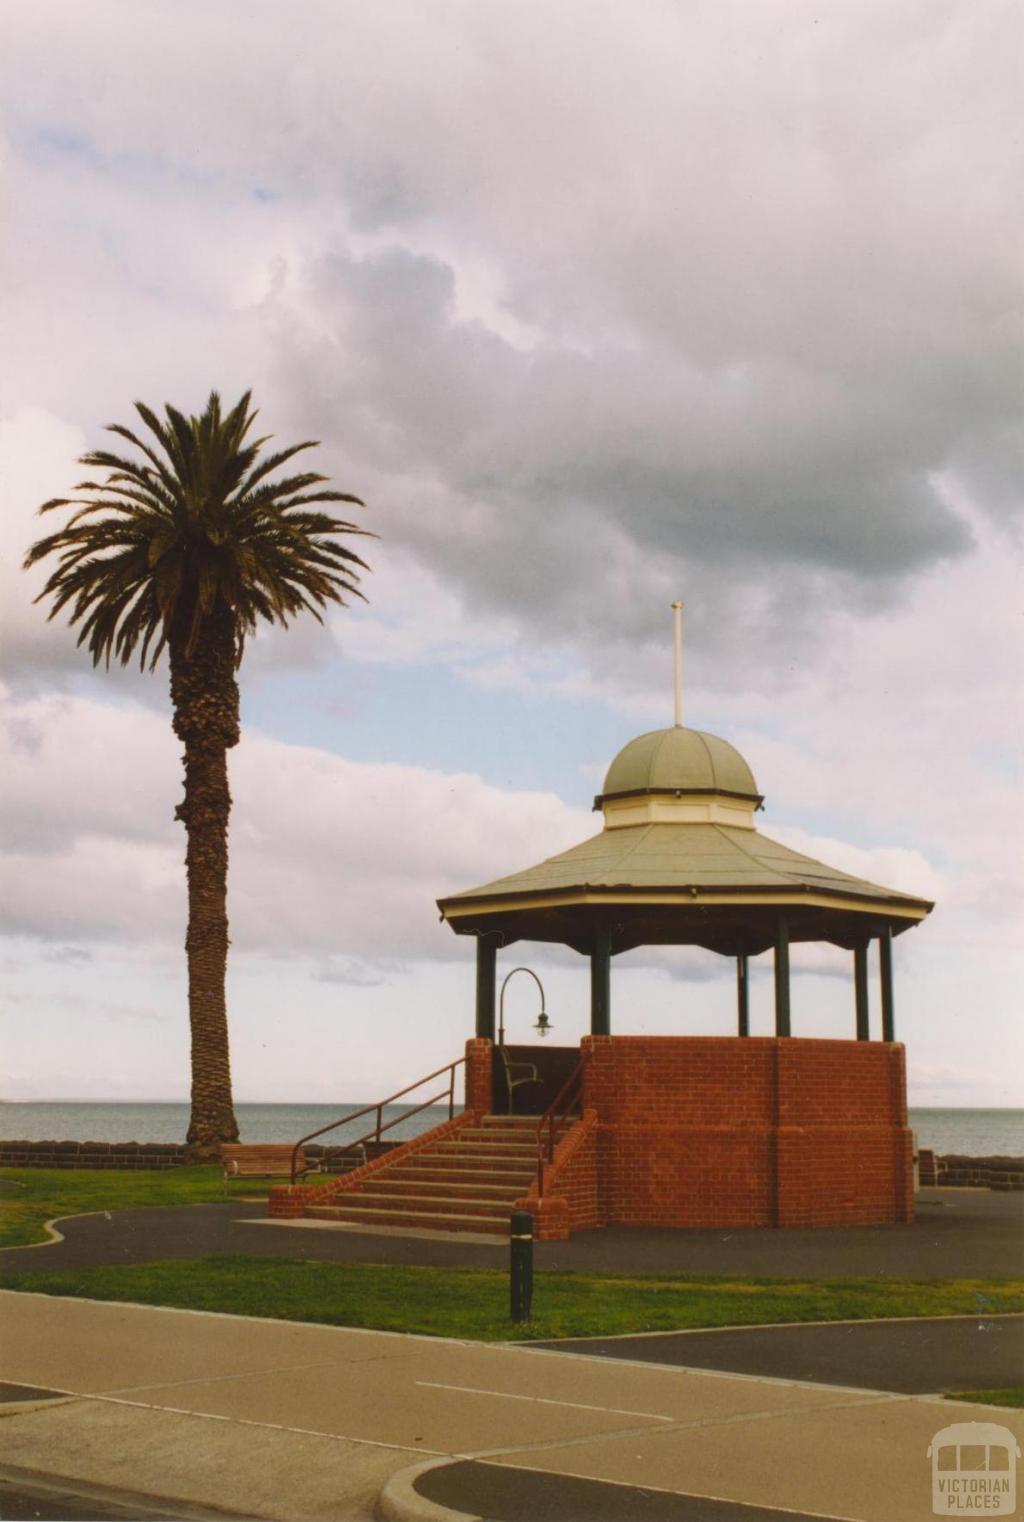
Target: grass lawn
(474,1303)
(36,1195)
(442,1302)
(1013,1395)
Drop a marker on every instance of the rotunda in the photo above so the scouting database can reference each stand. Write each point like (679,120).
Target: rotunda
(680,862)
(692,1130)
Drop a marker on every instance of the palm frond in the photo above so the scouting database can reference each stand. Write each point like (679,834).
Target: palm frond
(193,522)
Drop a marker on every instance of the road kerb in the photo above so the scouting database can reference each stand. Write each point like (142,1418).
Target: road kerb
(400,1501)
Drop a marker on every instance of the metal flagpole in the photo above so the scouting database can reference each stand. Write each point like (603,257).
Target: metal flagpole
(677,620)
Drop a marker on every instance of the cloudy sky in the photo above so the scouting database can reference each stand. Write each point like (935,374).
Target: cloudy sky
(597,305)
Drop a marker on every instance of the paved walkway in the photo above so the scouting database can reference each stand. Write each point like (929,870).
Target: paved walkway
(958,1234)
(185,1411)
(279,1420)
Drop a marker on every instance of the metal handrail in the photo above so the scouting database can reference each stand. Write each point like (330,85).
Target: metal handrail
(379,1129)
(552,1118)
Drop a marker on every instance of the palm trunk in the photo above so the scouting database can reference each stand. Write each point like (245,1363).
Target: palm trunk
(204,694)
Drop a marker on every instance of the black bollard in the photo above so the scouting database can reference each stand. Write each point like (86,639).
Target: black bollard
(521,1264)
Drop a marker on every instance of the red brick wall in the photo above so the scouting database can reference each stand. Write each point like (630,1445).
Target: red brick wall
(723,1131)
(844,1176)
(479,1079)
(572,1193)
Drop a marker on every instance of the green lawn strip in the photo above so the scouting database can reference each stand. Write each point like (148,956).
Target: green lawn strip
(33,1196)
(1013,1395)
(474,1303)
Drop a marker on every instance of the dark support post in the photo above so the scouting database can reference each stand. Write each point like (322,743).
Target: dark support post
(600,985)
(885,978)
(486,977)
(860,991)
(743,994)
(520,1266)
(782,977)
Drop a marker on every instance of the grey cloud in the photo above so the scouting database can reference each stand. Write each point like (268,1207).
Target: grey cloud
(354,972)
(764,252)
(823,482)
(69,956)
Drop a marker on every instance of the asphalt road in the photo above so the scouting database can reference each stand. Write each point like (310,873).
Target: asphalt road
(957,1234)
(20,1502)
(500,1494)
(926,1357)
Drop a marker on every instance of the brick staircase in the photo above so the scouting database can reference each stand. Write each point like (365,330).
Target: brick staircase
(468,1182)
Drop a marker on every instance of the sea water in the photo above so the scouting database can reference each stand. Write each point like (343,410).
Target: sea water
(975,1133)
(60,1120)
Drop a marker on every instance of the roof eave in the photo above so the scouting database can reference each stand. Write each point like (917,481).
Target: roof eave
(520,898)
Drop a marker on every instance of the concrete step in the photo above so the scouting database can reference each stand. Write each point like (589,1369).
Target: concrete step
(429,1204)
(455,1174)
(519,1122)
(498,1136)
(472,1157)
(498,1149)
(505,1125)
(409,1219)
(519,1181)
(449,1189)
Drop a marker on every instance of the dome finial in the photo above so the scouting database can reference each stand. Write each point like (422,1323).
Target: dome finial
(677,620)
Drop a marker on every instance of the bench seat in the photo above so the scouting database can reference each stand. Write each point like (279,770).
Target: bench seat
(263,1160)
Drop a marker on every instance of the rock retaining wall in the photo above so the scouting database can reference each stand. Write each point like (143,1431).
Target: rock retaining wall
(90,1154)
(956,1172)
(135,1155)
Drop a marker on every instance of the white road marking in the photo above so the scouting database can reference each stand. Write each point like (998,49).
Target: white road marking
(248,1421)
(540,1400)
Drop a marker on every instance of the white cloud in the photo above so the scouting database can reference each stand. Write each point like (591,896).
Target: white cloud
(328,855)
(713,302)
(37,461)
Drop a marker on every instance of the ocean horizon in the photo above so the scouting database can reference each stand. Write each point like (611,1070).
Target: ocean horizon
(971,1131)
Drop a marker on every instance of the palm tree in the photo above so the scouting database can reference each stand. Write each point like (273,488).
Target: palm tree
(188,548)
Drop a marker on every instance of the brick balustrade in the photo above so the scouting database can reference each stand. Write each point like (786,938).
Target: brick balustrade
(571,1200)
(723,1131)
(479,1075)
(728,1131)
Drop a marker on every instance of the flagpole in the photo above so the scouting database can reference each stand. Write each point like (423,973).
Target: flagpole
(677,620)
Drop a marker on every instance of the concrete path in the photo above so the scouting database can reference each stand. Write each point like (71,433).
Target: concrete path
(958,1234)
(278,1420)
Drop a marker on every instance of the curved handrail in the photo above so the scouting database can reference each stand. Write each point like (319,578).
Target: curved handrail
(552,1117)
(379,1129)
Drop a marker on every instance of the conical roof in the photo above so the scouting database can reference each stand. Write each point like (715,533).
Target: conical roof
(693,858)
(682,870)
(679,761)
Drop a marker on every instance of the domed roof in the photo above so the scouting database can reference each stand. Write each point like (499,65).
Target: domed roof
(679,760)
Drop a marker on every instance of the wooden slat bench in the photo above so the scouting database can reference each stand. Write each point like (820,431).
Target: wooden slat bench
(263,1160)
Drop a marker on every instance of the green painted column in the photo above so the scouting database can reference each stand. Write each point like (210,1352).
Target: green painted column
(860,991)
(486,979)
(743,993)
(600,985)
(782,977)
(885,978)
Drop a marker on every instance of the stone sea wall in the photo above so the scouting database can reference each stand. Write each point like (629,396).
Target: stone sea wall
(953,1171)
(131,1154)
